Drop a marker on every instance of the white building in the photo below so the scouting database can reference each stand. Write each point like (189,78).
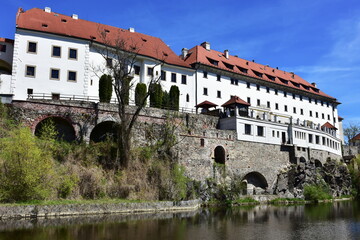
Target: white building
(57,56)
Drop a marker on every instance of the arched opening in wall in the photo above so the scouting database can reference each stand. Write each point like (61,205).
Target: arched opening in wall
(104,131)
(302,159)
(219,154)
(256,183)
(318,164)
(65,131)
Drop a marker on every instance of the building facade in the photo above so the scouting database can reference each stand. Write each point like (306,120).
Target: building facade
(57,56)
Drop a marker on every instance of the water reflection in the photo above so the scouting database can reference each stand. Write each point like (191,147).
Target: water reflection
(323,221)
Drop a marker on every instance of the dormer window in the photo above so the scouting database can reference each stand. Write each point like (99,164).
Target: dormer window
(243,70)
(44,25)
(270,77)
(258,74)
(284,81)
(213,62)
(63,20)
(229,66)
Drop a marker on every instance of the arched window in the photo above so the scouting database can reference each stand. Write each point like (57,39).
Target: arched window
(187,98)
(219,154)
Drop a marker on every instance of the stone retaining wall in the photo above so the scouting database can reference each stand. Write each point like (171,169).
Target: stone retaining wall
(35,211)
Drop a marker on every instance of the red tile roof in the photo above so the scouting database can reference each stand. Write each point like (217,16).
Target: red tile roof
(357,137)
(6,40)
(235,99)
(328,125)
(206,104)
(39,20)
(199,54)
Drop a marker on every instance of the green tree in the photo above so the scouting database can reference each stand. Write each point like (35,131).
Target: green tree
(27,172)
(166,100)
(105,88)
(140,94)
(174,95)
(351,131)
(156,95)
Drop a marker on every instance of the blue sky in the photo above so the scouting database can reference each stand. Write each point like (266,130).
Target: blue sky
(317,39)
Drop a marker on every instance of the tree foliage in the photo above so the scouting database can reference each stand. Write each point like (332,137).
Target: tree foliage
(140,94)
(105,88)
(174,95)
(351,131)
(156,95)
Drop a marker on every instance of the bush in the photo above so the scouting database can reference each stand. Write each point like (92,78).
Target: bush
(140,94)
(174,97)
(27,171)
(156,95)
(105,88)
(316,193)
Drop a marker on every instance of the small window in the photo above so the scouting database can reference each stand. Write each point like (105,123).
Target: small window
(310,138)
(310,113)
(258,74)
(276,106)
(173,77)
(323,116)
(301,111)
(247,129)
(267,89)
(276,91)
(316,101)
(32,47)
(205,91)
(328,117)
(72,76)
(54,74)
(260,131)
(55,96)
(73,53)
(327,104)
(187,98)
(150,71)
(218,77)
(56,51)
(257,87)
(30,91)
(2,48)
(247,84)
(285,108)
(294,109)
(268,104)
(249,100)
(285,94)
(258,102)
(309,100)
(183,79)
(205,74)
(30,71)
(109,62)
(294,96)
(300,97)
(137,70)
(317,114)
(317,139)
(234,81)
(219,94)
(163,75)
(322,103)
(202,142)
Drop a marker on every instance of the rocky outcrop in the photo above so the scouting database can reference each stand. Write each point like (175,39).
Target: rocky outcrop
(292,179)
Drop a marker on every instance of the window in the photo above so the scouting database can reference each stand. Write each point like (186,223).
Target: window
(137,70)
(30,91)
(54,74)
(72,76)
(328,117)
(257,87)
(267,89)
(260,131)
(163,75)
(56,51)
(247,129)
(30,71)
(32,47)
(109,62)
(205,74)
(183,79)
(317,139)
(187,98)
(202,142)
(218,77)
(317,114)
(205,91)
(173,77)
(322,103)
(285,94)
(219,94)
(285,108)
(55,96)
(276,106)
(327,104)
(2,48)
(309,100)
(258,102)
(72,53)
(247,84)
(310,138)
(310,113)
(301,111)
(323,116)
(300,97)
(249,100)
(276,91)
(294,109)
(294,96)
(315,101)
(268,104)
(150,71)
(234,81)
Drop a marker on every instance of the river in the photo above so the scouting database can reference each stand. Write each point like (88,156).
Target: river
(340,220)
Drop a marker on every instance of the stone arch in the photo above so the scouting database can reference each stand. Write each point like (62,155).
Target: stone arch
(65,130)
(103,131)
(318,164)
(219,155)
(302,159)
(255,180)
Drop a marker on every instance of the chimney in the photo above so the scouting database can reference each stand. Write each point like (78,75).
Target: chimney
(47,9)
(131,29)
(75,16)
(226,53)
(206,45)
(184,52)
(314,84)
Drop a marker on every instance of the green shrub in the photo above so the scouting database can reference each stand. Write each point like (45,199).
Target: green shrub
(105,88)
(166,100)
(27,172)
(156,95)
(316,193)
(174,95)
(140,94)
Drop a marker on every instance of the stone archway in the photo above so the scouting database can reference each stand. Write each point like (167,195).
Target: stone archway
(256,183)
(65,131)
(318,164)
(302,159)
(104,131)
(219,155)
